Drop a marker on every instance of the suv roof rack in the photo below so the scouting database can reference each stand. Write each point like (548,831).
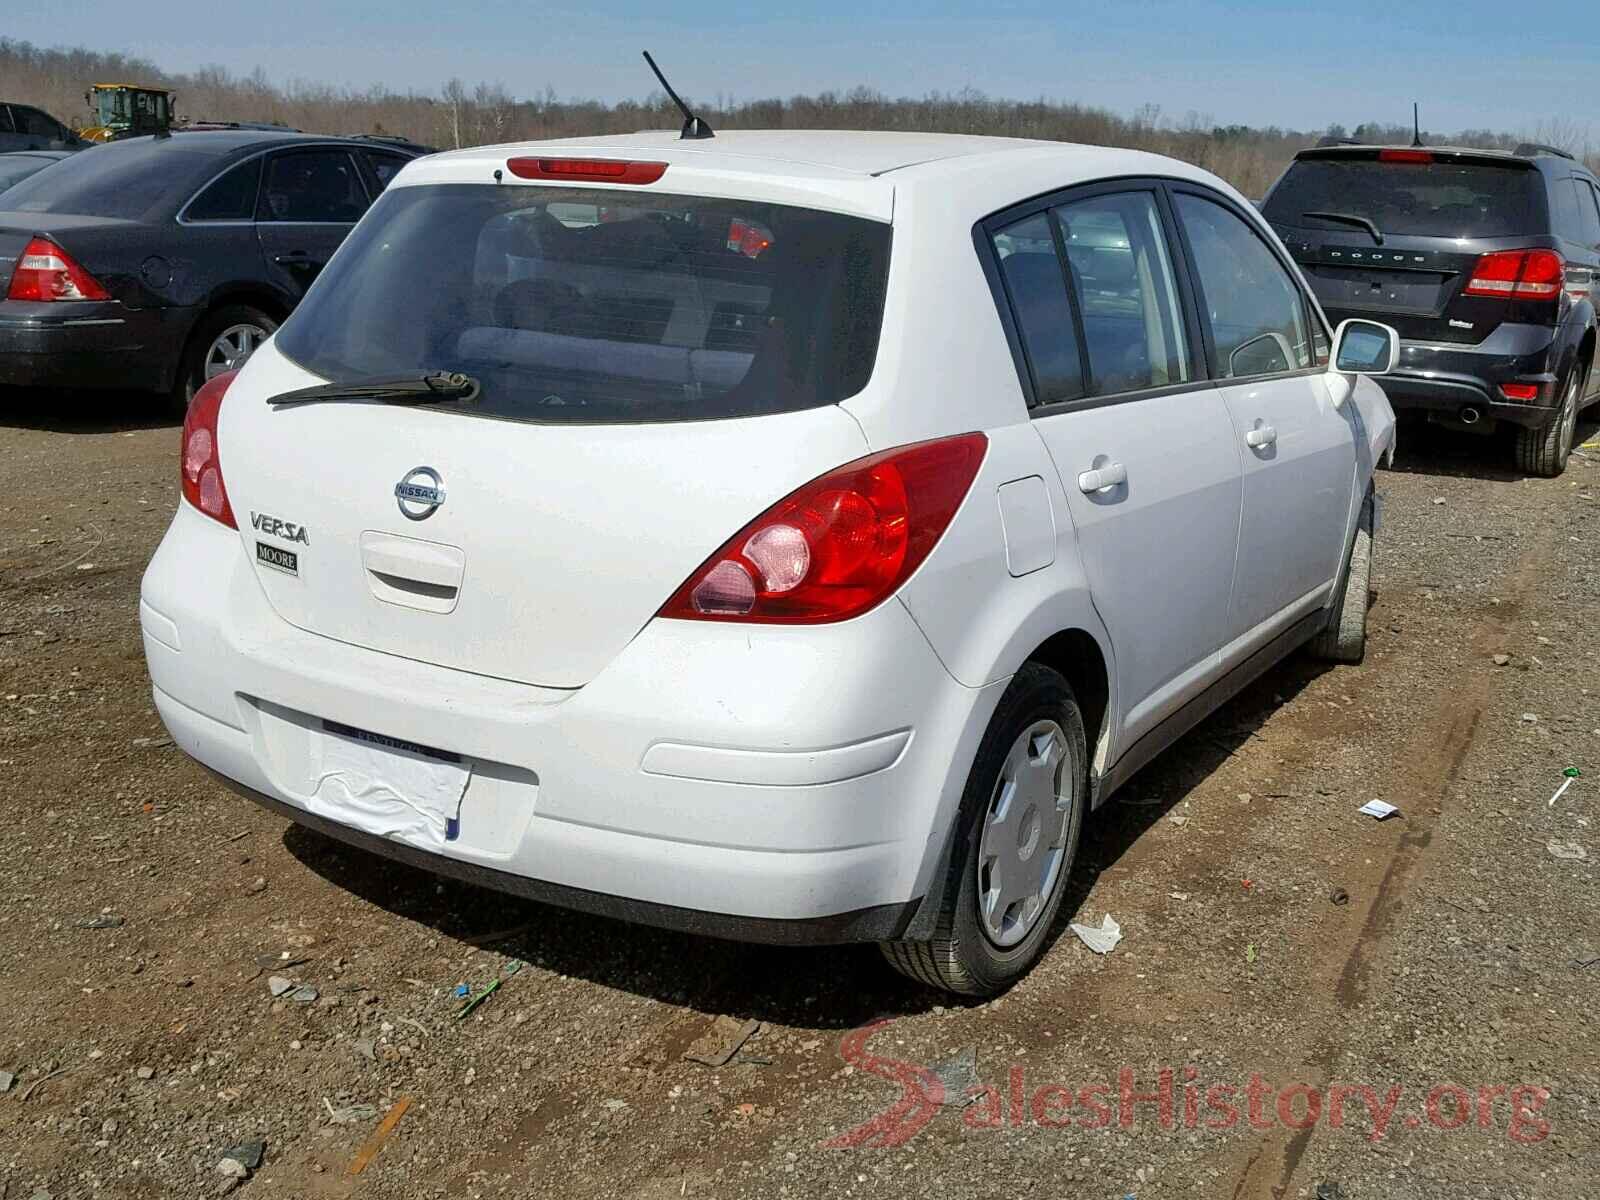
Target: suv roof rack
(1534,149)
(1324,142)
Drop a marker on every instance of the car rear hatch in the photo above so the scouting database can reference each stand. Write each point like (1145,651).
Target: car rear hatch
(654,370)
(1396,234)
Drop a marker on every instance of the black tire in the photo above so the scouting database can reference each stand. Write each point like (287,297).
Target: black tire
(1344,638)
(1544,452)
(192,368)
(961,957)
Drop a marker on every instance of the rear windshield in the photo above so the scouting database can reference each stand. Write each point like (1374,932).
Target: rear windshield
(1438,199)
(122,179)
(601,305)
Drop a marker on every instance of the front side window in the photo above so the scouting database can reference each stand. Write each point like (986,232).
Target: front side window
(576,306)
(312,185)
(1251,303)
(1127,296)
(1037,289)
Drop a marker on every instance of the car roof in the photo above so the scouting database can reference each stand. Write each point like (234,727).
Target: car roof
(852,171)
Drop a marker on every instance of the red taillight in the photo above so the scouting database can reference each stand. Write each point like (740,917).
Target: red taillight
(1520,391)
(840,544)
(588,170)
(1405,156)
(202,469)
(1518,275)
(47,272)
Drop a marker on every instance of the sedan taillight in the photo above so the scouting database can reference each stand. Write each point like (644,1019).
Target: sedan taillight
(838,545)
(202,469)
(47,272)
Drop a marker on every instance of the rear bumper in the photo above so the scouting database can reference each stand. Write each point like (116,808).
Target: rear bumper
(1447,379)
(761,783)
(89,345)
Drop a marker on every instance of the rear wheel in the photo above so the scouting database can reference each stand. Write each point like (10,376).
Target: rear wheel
(222,341)
(1544,452)
(1018,835)
(1344,639)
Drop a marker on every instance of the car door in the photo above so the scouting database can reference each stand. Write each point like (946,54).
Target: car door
(311,197)
(1267,349)
(1589,257)
(1140,438)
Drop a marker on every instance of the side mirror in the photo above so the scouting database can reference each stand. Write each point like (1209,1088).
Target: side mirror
(1365,348)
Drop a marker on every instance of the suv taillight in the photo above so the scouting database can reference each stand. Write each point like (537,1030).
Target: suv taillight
(202,469)
(1518,275)
(47,272)
(838,545)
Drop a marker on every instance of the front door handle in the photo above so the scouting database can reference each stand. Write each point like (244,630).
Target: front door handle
(1102,479)
(1260,436)
(294,258)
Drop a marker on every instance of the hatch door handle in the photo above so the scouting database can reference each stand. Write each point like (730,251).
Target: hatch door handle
(1102,479)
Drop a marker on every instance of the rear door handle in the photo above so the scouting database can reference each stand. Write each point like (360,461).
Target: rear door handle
(1261,435)
(293,258)
(1102,479)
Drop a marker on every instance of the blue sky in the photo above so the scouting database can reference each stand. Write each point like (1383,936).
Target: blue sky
(1249,61)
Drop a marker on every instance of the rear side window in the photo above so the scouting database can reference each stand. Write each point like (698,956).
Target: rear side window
(1037,288)
(1588,229)
(1437,199)
(229,198)
(1127,297)
(577,306)
(1256,312)
(319,186)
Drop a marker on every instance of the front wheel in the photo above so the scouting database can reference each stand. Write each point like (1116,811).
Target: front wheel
(1344,638)
(1018,835)
(223,341)
(1544,452)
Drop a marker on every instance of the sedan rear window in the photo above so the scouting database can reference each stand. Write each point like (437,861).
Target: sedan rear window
(124,179)
(1442,198)
(574,305)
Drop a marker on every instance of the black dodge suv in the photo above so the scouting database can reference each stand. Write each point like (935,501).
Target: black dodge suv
(1487,263)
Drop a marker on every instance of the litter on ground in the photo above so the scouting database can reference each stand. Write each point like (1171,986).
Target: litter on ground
(1102,940)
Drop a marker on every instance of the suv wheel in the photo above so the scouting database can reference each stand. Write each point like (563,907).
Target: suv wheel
(1544,452)
(1344,639)
(222,341)
(1019,823)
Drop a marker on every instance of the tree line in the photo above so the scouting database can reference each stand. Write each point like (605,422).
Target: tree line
(1250,157)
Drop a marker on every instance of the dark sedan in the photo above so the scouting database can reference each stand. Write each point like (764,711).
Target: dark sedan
(17,165)
(157,262)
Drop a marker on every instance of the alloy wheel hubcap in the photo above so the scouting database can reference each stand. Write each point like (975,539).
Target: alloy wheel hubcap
(1025,834)
(232,347)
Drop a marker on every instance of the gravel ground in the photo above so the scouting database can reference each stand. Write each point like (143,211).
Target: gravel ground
(1431,976)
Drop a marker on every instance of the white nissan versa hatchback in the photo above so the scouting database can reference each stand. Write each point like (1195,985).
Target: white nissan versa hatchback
(787,536)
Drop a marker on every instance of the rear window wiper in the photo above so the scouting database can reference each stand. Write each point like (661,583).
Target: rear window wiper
(1349,219)
(431,388)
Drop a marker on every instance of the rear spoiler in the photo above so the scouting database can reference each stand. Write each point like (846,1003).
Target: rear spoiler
(1402,154)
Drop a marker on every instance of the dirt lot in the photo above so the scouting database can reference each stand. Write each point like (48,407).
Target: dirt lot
(1418,993)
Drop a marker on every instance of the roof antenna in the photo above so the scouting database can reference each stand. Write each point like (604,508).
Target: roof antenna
(1416,125)
(693,127)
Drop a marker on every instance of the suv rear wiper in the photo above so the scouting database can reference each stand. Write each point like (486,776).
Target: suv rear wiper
(390,389)
(1349,219)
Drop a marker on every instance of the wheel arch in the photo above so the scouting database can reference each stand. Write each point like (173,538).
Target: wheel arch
(255,295)
(1077,657)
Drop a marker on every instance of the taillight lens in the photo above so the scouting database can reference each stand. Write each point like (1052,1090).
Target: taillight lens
(1519,275)
(202,469)
(588,170)
(47,272)
(840,544)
